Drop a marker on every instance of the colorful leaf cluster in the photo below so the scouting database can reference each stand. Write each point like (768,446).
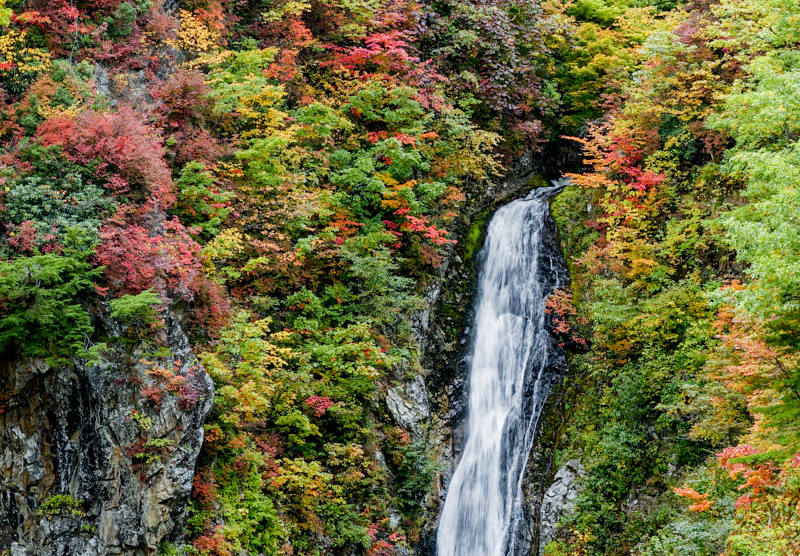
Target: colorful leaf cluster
(679,232)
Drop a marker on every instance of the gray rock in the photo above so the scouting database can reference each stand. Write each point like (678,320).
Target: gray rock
(394,520)
(381,459)
(83,431)
(170,6)
(101,80)
(421,320)
(408,405)
(559,499)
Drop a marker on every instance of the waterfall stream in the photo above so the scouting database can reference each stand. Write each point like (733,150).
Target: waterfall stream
(508,385)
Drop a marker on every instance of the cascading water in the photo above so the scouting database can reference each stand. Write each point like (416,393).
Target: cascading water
(508,382)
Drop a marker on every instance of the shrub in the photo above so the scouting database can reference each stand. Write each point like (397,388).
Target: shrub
(142,307)
(41,310)
(54,206)
(137,261)
(61,504)
(200,202)
(127,150)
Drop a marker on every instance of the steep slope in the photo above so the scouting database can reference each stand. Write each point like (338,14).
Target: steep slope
(289,197)
(273,185)
(683,411)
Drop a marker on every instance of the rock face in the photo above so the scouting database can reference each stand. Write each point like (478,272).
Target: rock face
(408,406)
(99,459)
(559,500)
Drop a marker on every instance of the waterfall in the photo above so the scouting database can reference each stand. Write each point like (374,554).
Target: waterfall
(508,381)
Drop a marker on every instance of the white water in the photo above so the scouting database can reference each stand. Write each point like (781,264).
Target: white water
(483,508)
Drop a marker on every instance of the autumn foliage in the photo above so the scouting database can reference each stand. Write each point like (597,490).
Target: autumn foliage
(287,181)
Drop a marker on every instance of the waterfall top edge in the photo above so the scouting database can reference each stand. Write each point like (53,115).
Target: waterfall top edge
(546,193)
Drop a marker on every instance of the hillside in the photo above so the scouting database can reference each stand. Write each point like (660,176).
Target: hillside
(239,246)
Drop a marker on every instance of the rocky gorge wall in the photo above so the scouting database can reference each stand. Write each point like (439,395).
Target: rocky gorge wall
(100,459)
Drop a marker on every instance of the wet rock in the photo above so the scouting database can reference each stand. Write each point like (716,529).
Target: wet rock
(446,345)
(447,340)
(559,499)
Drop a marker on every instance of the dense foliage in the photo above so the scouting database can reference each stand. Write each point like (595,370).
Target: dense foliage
(680,236)
(287,178)
(280,176)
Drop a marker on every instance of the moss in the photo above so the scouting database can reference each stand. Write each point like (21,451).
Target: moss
(570,212)
(538,181)
(474,238)
(168,549)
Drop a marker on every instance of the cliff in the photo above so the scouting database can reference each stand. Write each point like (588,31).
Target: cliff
(89,463)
